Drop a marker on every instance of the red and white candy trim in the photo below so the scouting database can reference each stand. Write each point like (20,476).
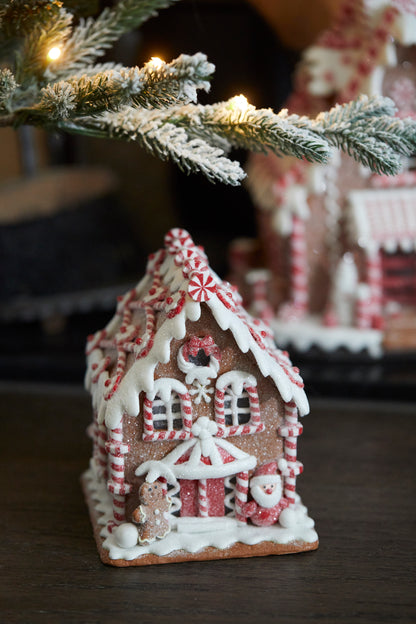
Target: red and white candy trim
(241,492)
(116,485)
(201,286)
(150,435)
(176,239)
(374,279)
(203,498)
(289,466)
(254,426)
(299,265)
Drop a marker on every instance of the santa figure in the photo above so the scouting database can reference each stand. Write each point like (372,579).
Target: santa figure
(266,490)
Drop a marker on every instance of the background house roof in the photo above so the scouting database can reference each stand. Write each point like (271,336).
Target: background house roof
(384,218)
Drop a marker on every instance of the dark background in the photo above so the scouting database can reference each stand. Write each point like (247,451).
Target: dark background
(60,274)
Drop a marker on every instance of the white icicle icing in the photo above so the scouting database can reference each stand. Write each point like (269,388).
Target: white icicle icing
(169,287)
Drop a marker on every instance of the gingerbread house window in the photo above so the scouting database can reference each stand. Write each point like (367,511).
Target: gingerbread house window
(167,411)
(237,410)
(167,416)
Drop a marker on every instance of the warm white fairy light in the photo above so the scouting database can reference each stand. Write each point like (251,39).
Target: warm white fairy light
(239,103)
(54,53)
(155,62)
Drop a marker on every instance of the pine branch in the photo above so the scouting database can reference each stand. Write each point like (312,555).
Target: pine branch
(160,86)
(366,130)
(261,129)
(153,131)
(169,84)
(217,128)
(93,37)
(31,59)
(8,86)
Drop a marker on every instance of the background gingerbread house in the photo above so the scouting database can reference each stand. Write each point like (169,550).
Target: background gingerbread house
(338,241)
(190,394)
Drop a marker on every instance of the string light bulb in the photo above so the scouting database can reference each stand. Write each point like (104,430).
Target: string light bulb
(155,62)
(54,53)
(239,103)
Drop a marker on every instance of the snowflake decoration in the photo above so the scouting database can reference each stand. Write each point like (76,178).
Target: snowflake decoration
(201,392)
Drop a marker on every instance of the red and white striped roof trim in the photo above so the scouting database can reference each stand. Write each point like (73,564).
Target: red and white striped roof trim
(178,281)
(383,219)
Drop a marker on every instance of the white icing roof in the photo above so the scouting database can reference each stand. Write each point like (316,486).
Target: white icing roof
(383,218)
(177,281)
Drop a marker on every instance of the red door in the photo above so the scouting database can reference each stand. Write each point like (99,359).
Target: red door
(189,497)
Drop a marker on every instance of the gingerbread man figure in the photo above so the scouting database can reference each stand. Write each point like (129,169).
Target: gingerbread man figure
(152,513)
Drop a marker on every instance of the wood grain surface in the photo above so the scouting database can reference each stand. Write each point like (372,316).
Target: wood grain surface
(358,484)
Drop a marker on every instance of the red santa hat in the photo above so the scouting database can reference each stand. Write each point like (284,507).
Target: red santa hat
(267,473)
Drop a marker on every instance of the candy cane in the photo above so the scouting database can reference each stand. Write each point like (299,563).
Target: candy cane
(219,412)
(299,265)
(259,279)
(363,307)
(290,467)
(241,492)
(254,404)
(203,498)
(101,457)
(150,435)
(186,408)
(117,485)
(374,276)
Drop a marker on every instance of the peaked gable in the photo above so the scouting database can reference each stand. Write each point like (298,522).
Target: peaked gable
(123,356)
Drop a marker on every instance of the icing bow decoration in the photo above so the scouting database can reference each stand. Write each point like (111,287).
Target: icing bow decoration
(205,429)
(195,344)
(188,363)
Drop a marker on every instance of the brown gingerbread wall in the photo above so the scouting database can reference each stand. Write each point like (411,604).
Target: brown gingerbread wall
(265,446)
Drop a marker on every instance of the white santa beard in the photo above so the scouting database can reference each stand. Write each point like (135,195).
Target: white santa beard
(266,500)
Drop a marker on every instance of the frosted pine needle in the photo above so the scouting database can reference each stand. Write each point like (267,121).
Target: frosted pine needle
(156,105)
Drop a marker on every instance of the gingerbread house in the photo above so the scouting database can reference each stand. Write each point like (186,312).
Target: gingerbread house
(337,240)
(195,423)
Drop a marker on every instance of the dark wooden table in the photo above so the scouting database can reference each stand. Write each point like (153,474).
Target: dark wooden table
(358,485)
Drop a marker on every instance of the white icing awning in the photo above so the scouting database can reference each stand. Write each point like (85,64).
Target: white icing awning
(383,219)
(203,457)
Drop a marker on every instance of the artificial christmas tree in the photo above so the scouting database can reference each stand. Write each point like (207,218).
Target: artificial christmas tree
(52,79)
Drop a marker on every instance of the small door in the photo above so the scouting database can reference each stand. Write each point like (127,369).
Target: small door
(190,494)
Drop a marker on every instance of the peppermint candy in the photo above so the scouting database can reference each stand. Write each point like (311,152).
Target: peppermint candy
(201,286)
(186,255)
(177,239)
(195,265)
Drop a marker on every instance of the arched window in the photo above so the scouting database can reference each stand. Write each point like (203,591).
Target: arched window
(237,410)
(167,415)
(236,407)
(167,411)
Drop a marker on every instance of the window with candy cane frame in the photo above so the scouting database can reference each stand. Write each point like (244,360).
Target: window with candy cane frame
(167,411)
(237,409)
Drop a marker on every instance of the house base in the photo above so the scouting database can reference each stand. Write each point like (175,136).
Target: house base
(231,542)
(308,332)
